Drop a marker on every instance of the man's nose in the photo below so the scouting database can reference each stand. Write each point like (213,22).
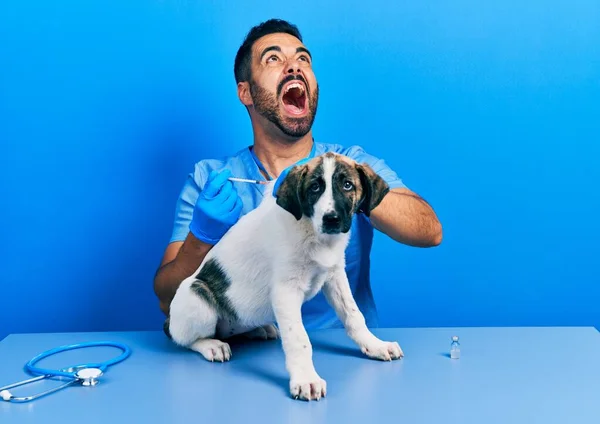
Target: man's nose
(293,67)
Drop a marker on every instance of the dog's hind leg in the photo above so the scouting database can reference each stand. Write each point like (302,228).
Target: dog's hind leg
(227,328)
(193,321)
(212,349)
(266,332)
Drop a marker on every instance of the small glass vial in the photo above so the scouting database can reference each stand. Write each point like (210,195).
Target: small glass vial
(455,348)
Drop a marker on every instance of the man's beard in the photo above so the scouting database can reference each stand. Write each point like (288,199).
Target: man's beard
(267,105)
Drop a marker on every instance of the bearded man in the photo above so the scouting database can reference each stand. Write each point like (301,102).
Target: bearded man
(276,83)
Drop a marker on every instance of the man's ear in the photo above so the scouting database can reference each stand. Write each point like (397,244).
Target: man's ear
(374,188)
(243,89)
(289,194)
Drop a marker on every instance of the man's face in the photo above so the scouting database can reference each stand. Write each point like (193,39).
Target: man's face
(283,86)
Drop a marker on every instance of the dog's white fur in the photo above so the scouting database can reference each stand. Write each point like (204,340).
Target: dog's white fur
(275,263)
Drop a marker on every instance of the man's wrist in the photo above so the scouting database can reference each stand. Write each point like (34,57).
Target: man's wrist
(199,235)
(197,244)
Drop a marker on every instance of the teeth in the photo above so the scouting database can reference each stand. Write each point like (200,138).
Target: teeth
(294,85)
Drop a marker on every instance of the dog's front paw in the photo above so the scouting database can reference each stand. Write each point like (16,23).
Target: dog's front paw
(385,351)
(309,387)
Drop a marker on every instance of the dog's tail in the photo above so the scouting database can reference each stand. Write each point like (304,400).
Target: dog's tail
(166,328)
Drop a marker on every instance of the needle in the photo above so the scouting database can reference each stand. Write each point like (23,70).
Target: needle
(245,180)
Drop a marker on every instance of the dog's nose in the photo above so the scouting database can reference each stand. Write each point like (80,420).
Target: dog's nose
(331,218)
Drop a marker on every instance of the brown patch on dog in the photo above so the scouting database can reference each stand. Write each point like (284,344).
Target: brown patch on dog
(345,171)
(373,186)
(315,163)
(289,194)
(369,188)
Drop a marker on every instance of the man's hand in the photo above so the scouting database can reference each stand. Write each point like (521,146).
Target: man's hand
(407,218)
(218,207)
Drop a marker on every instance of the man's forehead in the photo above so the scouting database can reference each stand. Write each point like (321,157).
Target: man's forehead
(282,40)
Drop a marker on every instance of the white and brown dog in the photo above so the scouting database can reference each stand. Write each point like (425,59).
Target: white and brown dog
(274,259)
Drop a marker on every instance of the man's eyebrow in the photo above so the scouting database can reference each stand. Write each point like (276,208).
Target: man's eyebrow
(268,49)
(305,50)
(278,49)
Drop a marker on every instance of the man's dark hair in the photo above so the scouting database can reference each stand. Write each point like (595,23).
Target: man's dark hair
(243,58)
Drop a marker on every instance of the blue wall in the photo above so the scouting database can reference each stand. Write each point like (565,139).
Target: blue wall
(488,109)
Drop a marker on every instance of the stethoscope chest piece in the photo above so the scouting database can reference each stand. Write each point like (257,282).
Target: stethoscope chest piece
(89,376)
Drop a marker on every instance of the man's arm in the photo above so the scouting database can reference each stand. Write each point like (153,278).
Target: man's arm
(213,211)
(180,260)
(405,217)
(402,214)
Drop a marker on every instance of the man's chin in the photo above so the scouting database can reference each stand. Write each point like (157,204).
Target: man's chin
(296,127)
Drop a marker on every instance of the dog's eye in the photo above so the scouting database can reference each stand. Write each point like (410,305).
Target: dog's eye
(348,186)
(314,187)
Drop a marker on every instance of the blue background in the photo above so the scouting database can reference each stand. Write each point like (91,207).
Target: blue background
(488,109)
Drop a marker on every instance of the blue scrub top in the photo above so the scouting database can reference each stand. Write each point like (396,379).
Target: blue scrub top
(316,313)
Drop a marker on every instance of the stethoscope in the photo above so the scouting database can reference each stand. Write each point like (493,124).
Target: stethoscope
(85,374)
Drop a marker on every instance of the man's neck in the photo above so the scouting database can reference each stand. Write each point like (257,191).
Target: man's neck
(277,154)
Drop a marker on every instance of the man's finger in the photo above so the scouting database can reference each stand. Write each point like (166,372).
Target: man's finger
(238,206)
(229,203)
(214,185)
(224,193)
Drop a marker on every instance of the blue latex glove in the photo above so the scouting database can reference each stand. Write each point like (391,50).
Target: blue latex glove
(284,174)
(218,207)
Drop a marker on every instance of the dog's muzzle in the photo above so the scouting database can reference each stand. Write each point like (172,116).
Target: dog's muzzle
(332,223)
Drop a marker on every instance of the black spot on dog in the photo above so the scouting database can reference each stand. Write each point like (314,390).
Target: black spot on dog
(211,284)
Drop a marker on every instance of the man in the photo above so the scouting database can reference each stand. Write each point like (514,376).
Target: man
(276,83)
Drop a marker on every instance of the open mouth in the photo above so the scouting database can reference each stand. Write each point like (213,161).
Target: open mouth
(294,99)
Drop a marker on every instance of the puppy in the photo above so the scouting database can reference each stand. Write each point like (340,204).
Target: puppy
(273,260)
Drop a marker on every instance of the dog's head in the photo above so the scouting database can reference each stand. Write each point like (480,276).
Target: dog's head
(329,190)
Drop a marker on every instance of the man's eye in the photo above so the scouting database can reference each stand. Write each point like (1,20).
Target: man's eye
(271,58)
(348,186)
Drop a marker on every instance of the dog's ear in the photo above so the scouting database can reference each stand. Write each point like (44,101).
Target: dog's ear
(289,194)
(374,188)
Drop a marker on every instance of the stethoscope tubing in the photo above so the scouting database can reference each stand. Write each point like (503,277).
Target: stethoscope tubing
(23,399)
(72,371)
